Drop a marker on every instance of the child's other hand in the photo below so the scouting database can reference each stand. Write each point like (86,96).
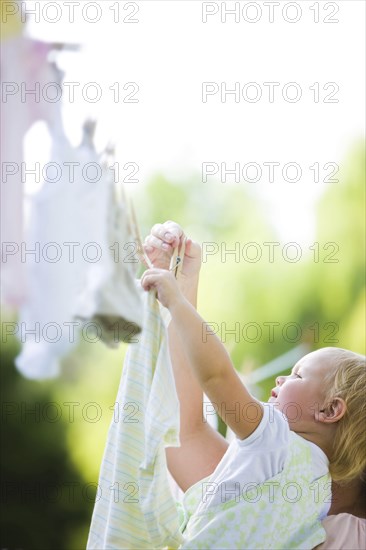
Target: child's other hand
(164,283)
(160,244)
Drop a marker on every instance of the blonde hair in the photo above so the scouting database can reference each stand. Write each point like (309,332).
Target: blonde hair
(348,381)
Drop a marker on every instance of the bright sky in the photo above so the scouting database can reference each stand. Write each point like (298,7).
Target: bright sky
(169,52)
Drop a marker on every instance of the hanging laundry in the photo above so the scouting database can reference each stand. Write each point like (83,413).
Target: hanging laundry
(25,72)
(72,275)
(55,219)
(134,507)
(110,298)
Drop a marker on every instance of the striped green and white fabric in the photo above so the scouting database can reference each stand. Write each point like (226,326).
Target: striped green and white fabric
(134,507)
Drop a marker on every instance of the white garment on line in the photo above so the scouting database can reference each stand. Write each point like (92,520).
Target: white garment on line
(70,221)
(109,297)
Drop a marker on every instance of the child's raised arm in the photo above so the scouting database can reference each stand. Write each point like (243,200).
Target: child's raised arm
(201,446)
(208,359)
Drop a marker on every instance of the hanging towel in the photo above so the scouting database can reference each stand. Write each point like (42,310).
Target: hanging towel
(134,507)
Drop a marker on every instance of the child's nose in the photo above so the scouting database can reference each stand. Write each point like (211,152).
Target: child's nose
(279,380)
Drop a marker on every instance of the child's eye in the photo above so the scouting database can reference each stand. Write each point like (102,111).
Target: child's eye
(298,376)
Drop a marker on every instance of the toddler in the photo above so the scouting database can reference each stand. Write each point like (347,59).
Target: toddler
(272,486)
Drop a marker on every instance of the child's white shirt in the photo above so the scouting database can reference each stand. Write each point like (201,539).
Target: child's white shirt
(270,490)
(258,458)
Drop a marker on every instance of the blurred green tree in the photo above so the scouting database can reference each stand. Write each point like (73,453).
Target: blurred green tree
(43,497)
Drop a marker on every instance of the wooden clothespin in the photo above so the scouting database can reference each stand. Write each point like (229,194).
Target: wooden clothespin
(176,262)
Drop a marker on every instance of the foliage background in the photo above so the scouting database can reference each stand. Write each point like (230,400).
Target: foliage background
(50,457)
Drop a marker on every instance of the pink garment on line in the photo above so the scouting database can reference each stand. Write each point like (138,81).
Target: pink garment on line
(23,65)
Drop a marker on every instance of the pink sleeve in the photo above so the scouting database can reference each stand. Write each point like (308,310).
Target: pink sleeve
(344,531)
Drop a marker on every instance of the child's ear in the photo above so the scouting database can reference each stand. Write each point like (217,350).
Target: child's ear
(332,412)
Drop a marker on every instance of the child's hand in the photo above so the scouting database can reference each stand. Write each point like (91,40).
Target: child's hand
(160,244)
(164,283)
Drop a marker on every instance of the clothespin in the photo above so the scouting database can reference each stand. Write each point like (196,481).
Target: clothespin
(176,262)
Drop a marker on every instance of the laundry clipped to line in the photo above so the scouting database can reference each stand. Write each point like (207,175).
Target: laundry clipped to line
(100,295)
(110,297)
